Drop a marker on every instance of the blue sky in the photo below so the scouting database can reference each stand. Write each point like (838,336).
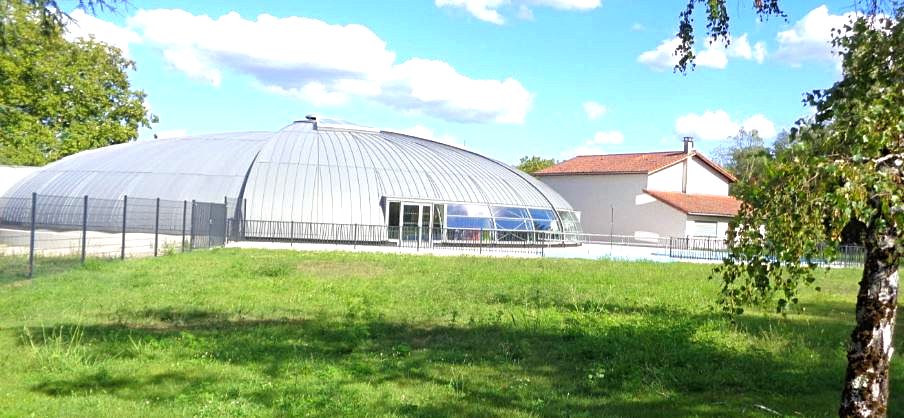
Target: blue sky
(553,78)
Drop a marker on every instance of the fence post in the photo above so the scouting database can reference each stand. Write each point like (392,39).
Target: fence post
(191,233)
(156,226)
(122,252)
(419,238)
(225,220)
(84,228)
(244,215)
(355,243)
(480,242)
(31,240)
(184,213)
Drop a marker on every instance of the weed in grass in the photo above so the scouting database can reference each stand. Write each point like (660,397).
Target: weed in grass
(58,349)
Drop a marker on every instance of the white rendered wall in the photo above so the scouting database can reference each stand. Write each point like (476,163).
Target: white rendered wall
(667,180)
(701,179)
(635,213)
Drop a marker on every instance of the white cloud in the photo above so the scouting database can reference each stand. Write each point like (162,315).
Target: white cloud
(759,52)
(422,131)
(715,55)
(594,110)
(637,27)
(326,64)
(489,10)
(759,123)
(718,125)
(810,38)
(84,25)
(607,138)
(190,63)
(592,146)
(661,58)
(436,88)
(484,10)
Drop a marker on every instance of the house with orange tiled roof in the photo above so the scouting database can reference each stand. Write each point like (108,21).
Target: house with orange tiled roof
(647,195)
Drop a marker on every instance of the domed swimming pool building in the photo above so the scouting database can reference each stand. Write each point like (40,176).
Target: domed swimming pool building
(315,179)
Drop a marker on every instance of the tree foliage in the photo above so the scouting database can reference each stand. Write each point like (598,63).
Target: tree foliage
(844,165)
(718,23)
(745,156)
(59,97)
(530,165)
(48,14)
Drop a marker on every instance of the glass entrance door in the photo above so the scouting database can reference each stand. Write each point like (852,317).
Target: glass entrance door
(411,222)
(415,222)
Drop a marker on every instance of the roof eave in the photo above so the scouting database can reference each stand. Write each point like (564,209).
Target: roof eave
(718,215)
(589,173)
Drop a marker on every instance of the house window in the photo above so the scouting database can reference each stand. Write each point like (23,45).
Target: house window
(706,229)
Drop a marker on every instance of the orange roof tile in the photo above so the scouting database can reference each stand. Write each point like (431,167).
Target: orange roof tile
(698,204)
(640,163)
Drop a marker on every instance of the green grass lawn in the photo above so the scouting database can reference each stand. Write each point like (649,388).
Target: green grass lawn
(244,332)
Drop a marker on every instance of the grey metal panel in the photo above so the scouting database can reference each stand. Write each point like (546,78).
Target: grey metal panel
(342,175)
(204,168)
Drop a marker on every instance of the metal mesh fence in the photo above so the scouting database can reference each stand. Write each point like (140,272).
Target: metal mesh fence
(52,233)
(48,233)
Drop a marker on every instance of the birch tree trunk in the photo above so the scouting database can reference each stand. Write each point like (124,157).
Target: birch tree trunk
(866,382)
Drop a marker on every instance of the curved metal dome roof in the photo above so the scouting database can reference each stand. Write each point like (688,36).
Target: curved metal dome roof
(308,171)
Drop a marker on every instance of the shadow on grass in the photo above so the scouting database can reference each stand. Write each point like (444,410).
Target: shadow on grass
(660,365)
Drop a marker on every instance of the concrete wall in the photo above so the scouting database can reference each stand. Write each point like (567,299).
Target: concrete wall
(701,179)
(636,213)
(10,175)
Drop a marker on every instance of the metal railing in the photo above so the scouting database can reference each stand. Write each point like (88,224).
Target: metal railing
(410,237)
(717,249)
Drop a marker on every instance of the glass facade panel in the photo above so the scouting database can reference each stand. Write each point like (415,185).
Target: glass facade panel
(542,214)
(541,225)
(570,222)
(464,222)
(395,209)
(513,224)
(508,212)
(469,210)
(469,222)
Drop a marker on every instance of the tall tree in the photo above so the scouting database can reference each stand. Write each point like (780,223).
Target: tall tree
(59,97)
(531,165)
(745,156)
(845,164)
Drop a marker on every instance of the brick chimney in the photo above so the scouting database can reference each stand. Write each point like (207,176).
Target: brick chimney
(688,144)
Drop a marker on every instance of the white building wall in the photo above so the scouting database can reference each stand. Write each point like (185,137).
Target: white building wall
(635,212)
(667,180)
(701,179)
